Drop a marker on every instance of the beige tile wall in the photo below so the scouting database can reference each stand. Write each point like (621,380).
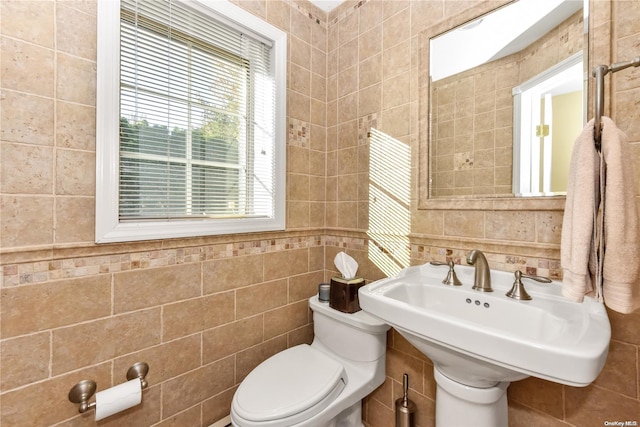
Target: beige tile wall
(202,312)
(184,306)
(201,320)
(526,239)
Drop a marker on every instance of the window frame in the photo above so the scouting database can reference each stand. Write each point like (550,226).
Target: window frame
(109,228)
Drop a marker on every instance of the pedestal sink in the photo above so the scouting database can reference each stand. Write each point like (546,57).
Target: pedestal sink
(479,342)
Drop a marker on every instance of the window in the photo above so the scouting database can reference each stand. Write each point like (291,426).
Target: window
(190,121)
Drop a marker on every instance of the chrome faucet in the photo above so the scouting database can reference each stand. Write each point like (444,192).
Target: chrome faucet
(482,277)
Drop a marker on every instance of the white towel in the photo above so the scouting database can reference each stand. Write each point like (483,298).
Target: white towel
(601,232)
(621,261)
(577,247)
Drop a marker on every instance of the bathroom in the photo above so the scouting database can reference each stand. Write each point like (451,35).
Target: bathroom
(203,312)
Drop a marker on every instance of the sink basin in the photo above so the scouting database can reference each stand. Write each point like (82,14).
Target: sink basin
(482,338)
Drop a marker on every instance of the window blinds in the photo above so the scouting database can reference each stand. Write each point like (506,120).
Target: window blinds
(197,116)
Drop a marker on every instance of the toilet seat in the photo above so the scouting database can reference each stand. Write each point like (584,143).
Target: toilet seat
(289,387)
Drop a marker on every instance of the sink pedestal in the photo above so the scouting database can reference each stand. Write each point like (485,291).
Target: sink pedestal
(462,405)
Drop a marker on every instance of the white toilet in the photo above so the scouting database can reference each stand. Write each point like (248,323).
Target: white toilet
(317,385)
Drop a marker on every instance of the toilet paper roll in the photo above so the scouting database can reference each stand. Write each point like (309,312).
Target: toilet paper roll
(117,399)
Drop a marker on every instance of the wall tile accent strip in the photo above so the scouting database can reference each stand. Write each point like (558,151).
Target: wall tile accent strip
(354,243)
(320,20)
(348,12)
(421,254)
(537,266)
(42,271)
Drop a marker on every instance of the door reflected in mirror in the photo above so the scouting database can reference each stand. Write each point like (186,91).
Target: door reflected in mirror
(525,58)
(548,117)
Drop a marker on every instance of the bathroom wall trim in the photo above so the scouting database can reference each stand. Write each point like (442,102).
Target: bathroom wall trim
(525,249)
(510,203)
(63,251)
(359,240)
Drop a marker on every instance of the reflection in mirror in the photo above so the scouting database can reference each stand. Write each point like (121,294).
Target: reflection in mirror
(548,116)
(482,74)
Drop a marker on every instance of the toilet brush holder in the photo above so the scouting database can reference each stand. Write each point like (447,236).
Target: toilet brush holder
(405,408)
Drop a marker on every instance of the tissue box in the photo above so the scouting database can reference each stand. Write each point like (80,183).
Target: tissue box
(343,294)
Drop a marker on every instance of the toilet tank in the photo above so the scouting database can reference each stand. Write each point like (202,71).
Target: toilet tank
(355,336)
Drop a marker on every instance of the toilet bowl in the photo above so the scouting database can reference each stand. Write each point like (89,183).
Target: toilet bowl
(317,385)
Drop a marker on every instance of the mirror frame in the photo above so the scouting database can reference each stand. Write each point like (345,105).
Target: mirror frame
(501,202)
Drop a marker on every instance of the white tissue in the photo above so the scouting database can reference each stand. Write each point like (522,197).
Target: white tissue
(117,399)
(346,265)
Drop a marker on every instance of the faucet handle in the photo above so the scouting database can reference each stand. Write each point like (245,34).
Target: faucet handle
(540,279)
(452,278)
(518,291)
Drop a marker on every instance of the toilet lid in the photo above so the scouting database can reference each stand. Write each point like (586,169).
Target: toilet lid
(289,383)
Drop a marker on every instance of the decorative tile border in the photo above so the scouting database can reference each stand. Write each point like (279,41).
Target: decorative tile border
(528,265)
(304,11)
(348,12)
(420,254)
(354,243)
(43,271)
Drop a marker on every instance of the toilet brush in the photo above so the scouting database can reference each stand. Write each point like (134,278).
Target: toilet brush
(405,409)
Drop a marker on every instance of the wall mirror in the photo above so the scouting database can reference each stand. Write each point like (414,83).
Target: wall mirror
(503,100)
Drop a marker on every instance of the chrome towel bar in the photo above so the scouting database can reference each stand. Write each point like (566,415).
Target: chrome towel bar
(599,72)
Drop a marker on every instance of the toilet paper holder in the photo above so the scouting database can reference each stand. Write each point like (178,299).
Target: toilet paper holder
(85,389)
